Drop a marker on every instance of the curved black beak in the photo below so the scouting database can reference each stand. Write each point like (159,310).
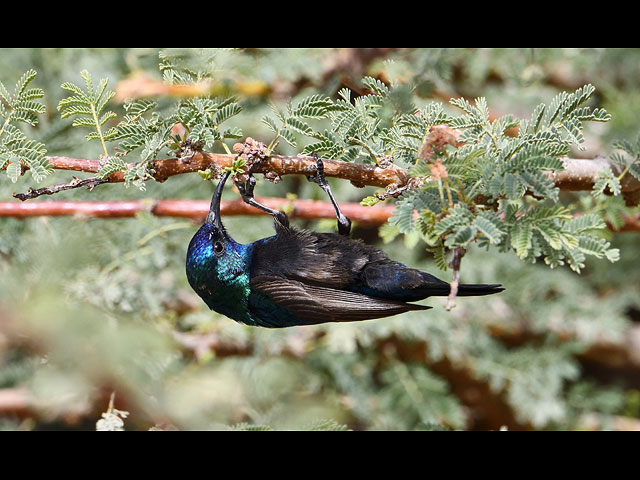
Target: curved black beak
(214,211)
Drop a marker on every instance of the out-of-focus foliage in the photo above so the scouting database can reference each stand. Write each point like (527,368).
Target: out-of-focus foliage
(92,307)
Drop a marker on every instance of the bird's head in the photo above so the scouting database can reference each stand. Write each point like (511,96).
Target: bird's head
(211,240)
(212,230)
(214,259)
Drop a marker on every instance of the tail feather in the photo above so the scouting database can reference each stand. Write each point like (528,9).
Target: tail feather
(464,290)
(395,281)
(435,287)
(473,290)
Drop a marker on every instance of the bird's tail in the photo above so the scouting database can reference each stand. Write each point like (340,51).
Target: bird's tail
(468,290)
(474,290)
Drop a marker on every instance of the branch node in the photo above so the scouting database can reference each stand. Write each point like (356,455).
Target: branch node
(188,149)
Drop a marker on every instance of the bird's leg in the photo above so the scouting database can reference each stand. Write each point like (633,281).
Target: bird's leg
(246,192)
(344,224)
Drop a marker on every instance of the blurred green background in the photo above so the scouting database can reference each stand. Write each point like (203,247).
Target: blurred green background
(91,307)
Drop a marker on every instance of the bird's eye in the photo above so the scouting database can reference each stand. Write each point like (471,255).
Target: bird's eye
(218,247)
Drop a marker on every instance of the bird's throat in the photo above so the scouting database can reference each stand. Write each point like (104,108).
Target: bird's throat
(222,281)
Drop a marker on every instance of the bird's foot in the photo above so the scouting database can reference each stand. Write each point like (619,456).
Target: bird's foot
(246,192)
(344,224)
(319,177)
(246,188)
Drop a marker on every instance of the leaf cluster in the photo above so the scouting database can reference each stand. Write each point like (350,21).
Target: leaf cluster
(202,118)
(627,158)
(491,188)
(498,189)
(88,108)
(15,148)
(143,129)
(485,196)
(295,119)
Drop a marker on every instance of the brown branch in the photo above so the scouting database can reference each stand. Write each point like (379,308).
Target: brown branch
(275,165)
(17,401)
(581,174)
(196,209)
(578,175)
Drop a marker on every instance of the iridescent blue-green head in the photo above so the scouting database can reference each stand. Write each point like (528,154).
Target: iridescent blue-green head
(217,266)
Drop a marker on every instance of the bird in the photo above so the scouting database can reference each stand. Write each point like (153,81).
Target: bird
(299,277)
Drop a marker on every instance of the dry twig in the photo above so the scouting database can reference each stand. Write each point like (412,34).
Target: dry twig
(458,253)
(90,183)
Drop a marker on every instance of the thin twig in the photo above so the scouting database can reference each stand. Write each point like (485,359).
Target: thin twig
(578,174)
(161,170)
(90,183)
(458,253)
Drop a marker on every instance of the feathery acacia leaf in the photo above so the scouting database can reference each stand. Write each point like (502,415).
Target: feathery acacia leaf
(16,149)
(88,107)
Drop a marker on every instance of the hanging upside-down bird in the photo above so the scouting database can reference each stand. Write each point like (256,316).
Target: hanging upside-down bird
(300,277)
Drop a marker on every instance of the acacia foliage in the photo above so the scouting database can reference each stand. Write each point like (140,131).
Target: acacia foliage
(488,187)
(23,106)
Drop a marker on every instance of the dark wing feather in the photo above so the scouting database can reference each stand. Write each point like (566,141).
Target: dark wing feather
(315,304)
(323,259)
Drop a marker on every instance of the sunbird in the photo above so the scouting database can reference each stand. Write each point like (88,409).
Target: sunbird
(299,277)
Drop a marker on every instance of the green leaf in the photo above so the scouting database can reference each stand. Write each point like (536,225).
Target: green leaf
(613,254)
(5,95)
(14,170)
(461,236)
(369,201)
(551,234)
(489,228)
(586,222)
(314,106)
(300,126)
(593,246)
(513,187)
(112,165)
(270,122)
(227,112)
(79,94)
(440,259)
(375,86)
(521,238)
(606,180)
(403,217)
(289,137)
(87,106)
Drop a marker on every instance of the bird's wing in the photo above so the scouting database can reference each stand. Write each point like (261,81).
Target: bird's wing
(323,259)
(282,300)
